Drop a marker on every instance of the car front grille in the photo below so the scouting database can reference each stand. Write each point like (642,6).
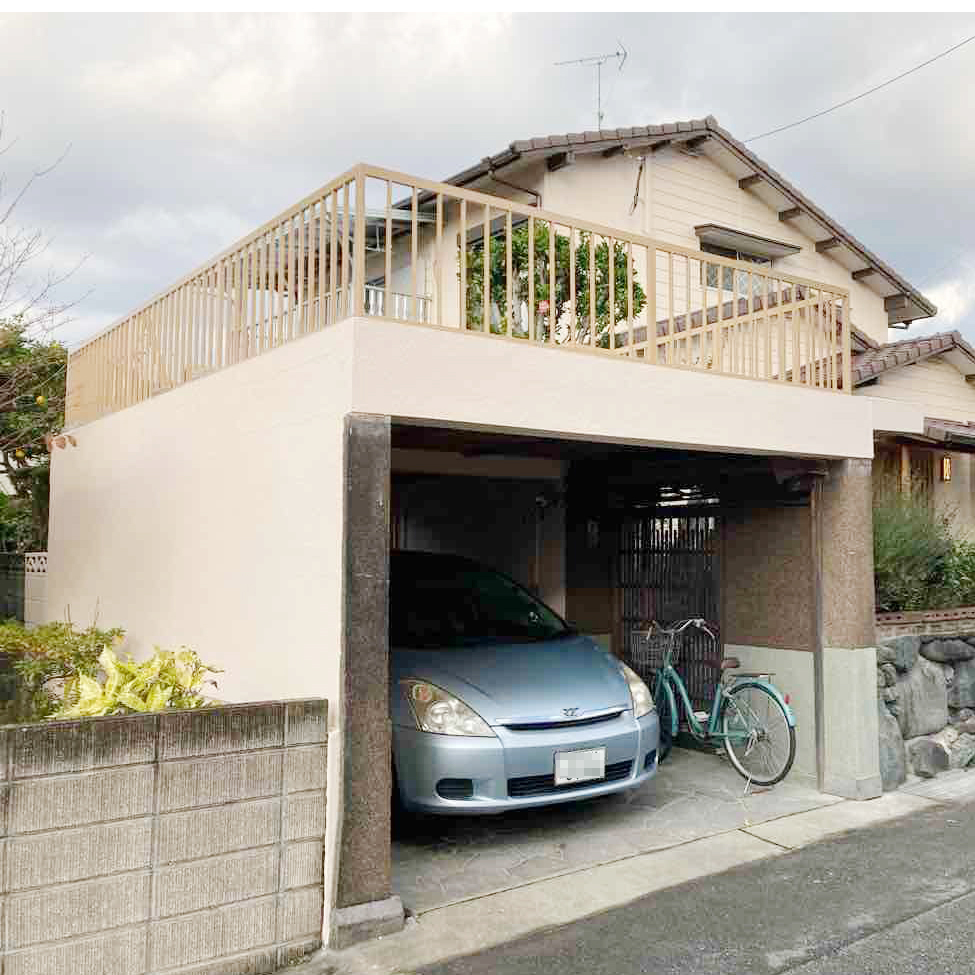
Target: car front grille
(569,723)
(544,785)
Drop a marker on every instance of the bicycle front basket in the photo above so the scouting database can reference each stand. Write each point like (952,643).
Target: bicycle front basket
(649,650)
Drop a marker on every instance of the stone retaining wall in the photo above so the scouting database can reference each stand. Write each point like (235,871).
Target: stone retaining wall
(926,701)
(185,842)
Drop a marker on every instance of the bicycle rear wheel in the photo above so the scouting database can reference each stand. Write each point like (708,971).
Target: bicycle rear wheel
(759,739)
(662,703)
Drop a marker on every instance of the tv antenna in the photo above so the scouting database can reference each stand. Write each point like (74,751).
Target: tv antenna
(598,60)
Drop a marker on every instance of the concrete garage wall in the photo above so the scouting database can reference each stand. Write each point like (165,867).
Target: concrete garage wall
(188,842)
(792,673)
(492,520)
(769,609)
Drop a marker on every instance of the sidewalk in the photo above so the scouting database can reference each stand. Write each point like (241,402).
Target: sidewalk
(482,922)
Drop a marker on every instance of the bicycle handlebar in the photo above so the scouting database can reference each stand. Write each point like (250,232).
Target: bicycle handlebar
(680,625)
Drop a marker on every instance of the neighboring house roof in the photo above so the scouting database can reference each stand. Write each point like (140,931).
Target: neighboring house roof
(903,302)
(878,359)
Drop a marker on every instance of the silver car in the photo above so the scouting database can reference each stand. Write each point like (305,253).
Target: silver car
(497,703)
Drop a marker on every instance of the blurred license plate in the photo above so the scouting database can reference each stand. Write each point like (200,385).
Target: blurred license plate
(580,766)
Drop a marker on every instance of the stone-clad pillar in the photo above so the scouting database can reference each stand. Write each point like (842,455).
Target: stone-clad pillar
(364,905)
(846,675)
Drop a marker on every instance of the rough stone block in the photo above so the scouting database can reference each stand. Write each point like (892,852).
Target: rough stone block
(927,758)
(218,880)
(301,913)
(893,757)
(77,800)
(961,694)
(115,953)
(77,854)
(221,829)
(78,909)
(224,778)
(350,925)
(901,651)
(303,864)
(922,699)
(305,768)
(948,651)
(307,722)
(231,930)
(305,815)
(212,731)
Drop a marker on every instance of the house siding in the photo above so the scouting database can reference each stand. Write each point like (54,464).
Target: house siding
(941,391)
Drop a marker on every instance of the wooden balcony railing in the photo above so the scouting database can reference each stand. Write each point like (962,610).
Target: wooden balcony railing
(377,242)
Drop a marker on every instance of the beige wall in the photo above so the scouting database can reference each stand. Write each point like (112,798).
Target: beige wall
(469,379)
(212,516)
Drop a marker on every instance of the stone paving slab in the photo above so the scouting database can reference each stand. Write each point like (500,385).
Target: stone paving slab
(954,785)
(694,795)
(808,827)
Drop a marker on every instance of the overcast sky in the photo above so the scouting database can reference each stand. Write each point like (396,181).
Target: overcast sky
(187,132)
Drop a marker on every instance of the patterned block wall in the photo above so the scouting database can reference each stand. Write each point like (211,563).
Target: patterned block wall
(180,842)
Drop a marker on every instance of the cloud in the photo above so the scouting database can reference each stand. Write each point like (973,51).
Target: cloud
(188,130)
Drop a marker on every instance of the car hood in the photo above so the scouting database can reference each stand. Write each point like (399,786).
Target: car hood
(520,682)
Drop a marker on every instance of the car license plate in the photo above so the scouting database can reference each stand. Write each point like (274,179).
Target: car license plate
(580,766)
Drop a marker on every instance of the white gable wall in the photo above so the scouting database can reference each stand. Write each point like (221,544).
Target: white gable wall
(679,192)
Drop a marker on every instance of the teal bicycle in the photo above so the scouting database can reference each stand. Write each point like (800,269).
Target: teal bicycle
(749,716)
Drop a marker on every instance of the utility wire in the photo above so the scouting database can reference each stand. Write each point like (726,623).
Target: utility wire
(856,98)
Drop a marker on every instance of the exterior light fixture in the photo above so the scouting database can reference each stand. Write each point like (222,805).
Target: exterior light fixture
(946,467)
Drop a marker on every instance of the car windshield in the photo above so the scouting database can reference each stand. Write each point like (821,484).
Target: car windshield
(458,605)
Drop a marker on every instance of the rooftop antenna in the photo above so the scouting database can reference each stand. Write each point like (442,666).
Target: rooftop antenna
(598,60)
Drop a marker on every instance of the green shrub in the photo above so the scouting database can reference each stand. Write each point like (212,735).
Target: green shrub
(58,671)
(168,679)
(41,661)
(914,555)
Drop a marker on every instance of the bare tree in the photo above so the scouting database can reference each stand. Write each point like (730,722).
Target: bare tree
(33,366)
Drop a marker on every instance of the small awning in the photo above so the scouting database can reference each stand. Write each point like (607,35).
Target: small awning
(954,436)
(743,243)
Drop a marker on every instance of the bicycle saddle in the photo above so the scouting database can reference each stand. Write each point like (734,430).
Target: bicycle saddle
(728,663)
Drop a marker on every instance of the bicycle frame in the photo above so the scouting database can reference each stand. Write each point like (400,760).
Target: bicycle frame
(670,678)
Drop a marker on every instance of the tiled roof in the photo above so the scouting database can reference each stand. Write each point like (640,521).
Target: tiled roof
(609,139)
(884,358)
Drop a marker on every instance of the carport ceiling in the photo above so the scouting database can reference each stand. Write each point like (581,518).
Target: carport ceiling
(633,475)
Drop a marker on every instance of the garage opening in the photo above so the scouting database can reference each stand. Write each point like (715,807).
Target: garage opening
(608,536)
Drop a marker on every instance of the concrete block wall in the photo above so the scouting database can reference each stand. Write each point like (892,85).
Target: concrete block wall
(185,842)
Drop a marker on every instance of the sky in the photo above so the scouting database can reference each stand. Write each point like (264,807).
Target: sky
(185,132)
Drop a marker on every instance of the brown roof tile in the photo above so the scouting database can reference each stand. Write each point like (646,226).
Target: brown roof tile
(884,358)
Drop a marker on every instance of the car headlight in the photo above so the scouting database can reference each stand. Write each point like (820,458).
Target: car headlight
(639,692)
(441,713)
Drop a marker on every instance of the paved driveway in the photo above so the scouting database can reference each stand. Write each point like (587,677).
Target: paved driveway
(446,860)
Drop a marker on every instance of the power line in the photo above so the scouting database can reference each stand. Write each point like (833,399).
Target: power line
(856,98)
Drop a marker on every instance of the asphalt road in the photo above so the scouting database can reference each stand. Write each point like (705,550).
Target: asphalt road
(891,899)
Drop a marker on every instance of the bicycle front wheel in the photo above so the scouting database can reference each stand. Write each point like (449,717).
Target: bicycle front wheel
(758,737)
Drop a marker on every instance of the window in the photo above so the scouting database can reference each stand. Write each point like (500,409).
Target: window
(727,273)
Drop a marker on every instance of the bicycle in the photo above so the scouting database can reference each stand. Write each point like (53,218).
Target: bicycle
(749,716)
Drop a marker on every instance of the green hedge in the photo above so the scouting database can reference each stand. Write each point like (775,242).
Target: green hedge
(919,561)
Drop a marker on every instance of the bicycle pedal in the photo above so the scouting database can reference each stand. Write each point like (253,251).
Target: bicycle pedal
(701,717)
